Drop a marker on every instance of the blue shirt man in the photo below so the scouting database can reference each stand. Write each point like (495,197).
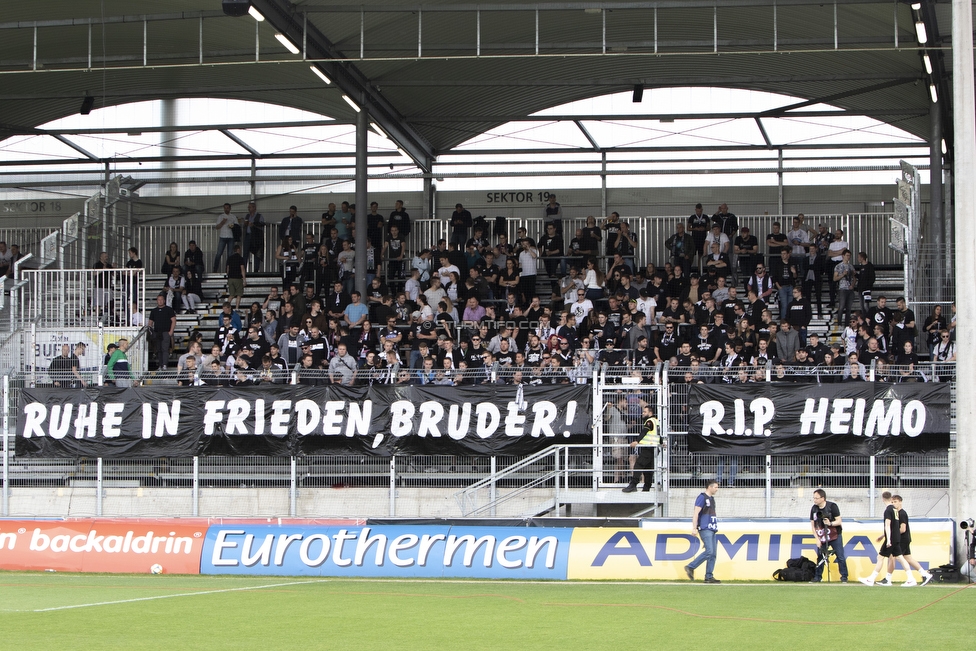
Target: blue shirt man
(356,312)
(704,524)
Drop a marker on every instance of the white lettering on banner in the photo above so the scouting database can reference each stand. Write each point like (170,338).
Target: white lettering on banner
(886,418)
(279,417)
(92,542)
(431,413)
(713,412)
(9,538)
(167,418)
(244,417)
(375,549)
(820,415)
(488,419)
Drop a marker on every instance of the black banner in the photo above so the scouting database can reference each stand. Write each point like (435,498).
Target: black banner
(285,421)
(852,418)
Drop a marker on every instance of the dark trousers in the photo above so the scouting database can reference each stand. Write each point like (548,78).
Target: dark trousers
(644,466)
(163,343)
(838,548)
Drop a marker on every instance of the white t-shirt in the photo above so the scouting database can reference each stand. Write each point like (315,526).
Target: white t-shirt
(581,308)
(648,306)
(227,230)
(723,242)
(445,273)
(800,236)
(528,262)
(836,250)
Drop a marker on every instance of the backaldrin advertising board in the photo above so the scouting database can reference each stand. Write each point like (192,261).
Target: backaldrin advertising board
(747,550)
(102,545)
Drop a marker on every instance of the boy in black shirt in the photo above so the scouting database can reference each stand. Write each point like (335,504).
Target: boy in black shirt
(890,547)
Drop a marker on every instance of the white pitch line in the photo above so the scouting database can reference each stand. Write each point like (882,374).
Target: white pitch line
(171,596)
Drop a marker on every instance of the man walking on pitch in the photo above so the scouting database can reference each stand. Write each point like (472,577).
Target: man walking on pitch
(704,524)
(890,547)
(827,526)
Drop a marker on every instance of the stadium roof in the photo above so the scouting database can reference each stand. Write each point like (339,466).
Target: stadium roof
(434,75)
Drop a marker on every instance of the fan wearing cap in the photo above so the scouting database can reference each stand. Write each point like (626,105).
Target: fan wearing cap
(612,357)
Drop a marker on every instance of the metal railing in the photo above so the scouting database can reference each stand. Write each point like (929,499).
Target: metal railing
(865,231)
(84,298)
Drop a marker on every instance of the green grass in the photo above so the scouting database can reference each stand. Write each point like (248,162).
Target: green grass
(239,613)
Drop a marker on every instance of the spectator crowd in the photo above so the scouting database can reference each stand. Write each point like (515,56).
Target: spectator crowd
(727,306)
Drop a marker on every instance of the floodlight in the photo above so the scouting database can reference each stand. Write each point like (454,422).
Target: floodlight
(291,47)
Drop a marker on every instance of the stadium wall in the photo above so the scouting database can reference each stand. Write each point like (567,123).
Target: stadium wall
(427,502)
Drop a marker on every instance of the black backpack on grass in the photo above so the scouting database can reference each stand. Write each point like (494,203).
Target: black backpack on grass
(797,569)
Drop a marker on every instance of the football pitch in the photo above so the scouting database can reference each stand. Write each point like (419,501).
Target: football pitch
(92,611)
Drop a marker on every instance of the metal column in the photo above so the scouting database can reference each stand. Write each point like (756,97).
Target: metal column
(603,184)
(769,486)
(936,225)
(362,207)
(98,488)
(393,486)
(195,491)
(779,176)
(962,483)
(293,490)
(493,487)
(872,485)
(6,444)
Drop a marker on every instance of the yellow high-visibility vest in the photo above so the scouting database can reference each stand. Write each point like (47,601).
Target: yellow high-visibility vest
(651,437)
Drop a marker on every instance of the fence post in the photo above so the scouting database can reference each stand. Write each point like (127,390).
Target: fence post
(6,444)
(34,356)
(597,430)
(872,486)
(293,490)
(98,489)
(195,491)
(492,488)
(769,486)
(555,462)
(393,486)
(664,423)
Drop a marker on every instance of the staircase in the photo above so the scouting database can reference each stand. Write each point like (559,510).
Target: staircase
(551,481)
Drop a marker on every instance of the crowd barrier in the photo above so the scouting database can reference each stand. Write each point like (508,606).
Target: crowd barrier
(658,550)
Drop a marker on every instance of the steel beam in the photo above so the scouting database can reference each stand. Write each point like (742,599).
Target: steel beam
(669,82)
(762,130)
(586,134)
(348,78)
(784,112)
(78,148)
(568,6)
(243,145)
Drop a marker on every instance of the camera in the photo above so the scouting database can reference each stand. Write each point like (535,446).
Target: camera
(967,524)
